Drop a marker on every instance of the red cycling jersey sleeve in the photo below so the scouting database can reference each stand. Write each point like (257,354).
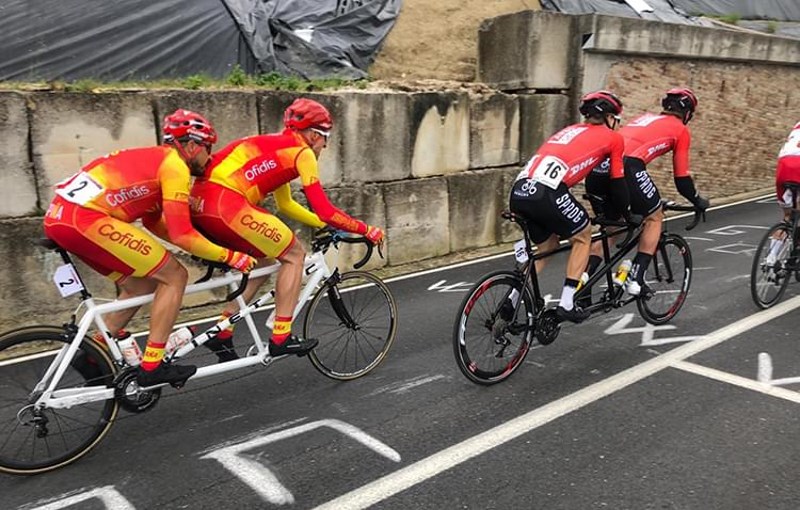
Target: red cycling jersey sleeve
(650,135)
(569,155)
(327,212)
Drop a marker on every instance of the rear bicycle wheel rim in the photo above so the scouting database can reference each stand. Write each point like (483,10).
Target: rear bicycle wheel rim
(768,282)
(668,278)
(349,351)
(489,349)
(38,441)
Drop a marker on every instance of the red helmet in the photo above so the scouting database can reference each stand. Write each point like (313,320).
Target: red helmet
(600,103)
(183,124)
(305,113)
(681,101)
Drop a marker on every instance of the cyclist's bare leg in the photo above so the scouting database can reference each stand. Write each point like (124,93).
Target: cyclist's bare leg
(250,290)
(129,288)
(579,255)
(651,232)
(171,281)
(549,244)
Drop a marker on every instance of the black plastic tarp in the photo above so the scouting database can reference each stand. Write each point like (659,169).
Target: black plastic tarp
(778,10)
(144,39)
(662,10)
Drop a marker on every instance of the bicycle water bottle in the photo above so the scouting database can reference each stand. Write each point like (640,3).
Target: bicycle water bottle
(178,339)
(130,350)
(622,272)
(584,278)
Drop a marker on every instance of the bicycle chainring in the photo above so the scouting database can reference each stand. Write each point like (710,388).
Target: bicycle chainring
(547,327)
(130,396)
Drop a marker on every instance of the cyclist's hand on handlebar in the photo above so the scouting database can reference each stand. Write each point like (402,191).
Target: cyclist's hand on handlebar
(240,261)
(374,235)
(701,203)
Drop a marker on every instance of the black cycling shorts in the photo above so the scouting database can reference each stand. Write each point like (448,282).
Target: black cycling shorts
(547,211)
(644,196)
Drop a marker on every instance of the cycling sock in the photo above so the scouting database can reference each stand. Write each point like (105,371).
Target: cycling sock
(775,246)
(594,263)
(153,354)
(566,294)
(639,266)
(281,330)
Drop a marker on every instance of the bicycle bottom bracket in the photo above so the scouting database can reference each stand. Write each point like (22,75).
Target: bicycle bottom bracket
(547,327)
(130,396)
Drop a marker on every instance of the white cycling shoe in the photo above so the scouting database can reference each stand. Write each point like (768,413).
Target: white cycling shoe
(632,287)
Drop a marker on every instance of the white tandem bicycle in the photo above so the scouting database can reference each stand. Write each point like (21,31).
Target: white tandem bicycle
(52,412)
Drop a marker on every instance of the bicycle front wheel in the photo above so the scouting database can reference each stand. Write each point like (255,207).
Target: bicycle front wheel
(492,333)
(38,440)
(769,276)
(668,279)
(355,321)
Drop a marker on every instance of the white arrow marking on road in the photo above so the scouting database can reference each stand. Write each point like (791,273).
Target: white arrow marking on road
(731,230)
(261,479)
(621,327)
(735,249)
(455,287)
(108,495)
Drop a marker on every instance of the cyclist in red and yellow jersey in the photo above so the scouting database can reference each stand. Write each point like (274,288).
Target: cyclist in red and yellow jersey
(647,137)
(91,216)
(225,205)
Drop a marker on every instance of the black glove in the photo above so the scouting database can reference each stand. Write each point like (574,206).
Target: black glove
(324,231)
(701,203)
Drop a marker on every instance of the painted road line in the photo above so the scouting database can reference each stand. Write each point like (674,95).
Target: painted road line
(744,382)
(452,456)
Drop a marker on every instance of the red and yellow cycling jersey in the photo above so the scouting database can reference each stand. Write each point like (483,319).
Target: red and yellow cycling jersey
(151,184)
(569,155)
(259,165)
(650,135)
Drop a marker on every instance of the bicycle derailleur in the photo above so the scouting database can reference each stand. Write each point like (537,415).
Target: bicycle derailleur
(132,398)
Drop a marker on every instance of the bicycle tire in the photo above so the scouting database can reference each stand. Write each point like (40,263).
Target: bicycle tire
(352,345)
(26,448)
(768,282)
(667,281)
(481,337)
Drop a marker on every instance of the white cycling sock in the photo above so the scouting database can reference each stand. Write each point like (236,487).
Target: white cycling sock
(775,248)
(566,298)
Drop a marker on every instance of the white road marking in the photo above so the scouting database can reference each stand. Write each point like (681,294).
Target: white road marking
(262,480)
(738,380)
(765,372)
(403,386)
(621,327)
(108,495)
(452,456)
(734,230)
(453,287)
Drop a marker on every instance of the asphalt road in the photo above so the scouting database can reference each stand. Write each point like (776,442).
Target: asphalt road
(616,414)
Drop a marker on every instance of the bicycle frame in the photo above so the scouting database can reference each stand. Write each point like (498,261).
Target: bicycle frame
(315,267)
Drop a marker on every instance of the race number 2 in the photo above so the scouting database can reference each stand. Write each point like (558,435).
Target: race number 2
(550,171)
(80,189)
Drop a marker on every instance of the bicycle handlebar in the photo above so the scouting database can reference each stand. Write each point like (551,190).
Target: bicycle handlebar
(326,237)
(669,205)
(211,266)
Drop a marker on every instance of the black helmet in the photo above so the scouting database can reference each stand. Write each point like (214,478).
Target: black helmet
(597,104)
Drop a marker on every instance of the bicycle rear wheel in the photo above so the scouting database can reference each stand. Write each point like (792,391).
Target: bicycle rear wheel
(355,320)
(668,278)
(38,440)
(769,279)
(488,341)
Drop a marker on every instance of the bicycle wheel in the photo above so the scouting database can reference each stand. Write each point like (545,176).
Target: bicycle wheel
(354,318)
(488,341)
(39,440)
(668,278)
(769,279)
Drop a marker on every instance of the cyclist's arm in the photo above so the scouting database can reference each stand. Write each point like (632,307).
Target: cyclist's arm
(617,187)
(680,167)
(287,205)
(156,224)
(174,177)
(327,212)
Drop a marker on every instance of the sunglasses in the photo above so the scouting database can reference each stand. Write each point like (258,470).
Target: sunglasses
(323,134)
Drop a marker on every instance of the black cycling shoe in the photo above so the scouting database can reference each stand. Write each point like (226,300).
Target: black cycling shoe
(292,345)
(576,315)
(584,302)
(223,348)
(175,375)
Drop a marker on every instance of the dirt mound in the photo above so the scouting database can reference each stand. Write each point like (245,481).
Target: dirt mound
(438,39)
